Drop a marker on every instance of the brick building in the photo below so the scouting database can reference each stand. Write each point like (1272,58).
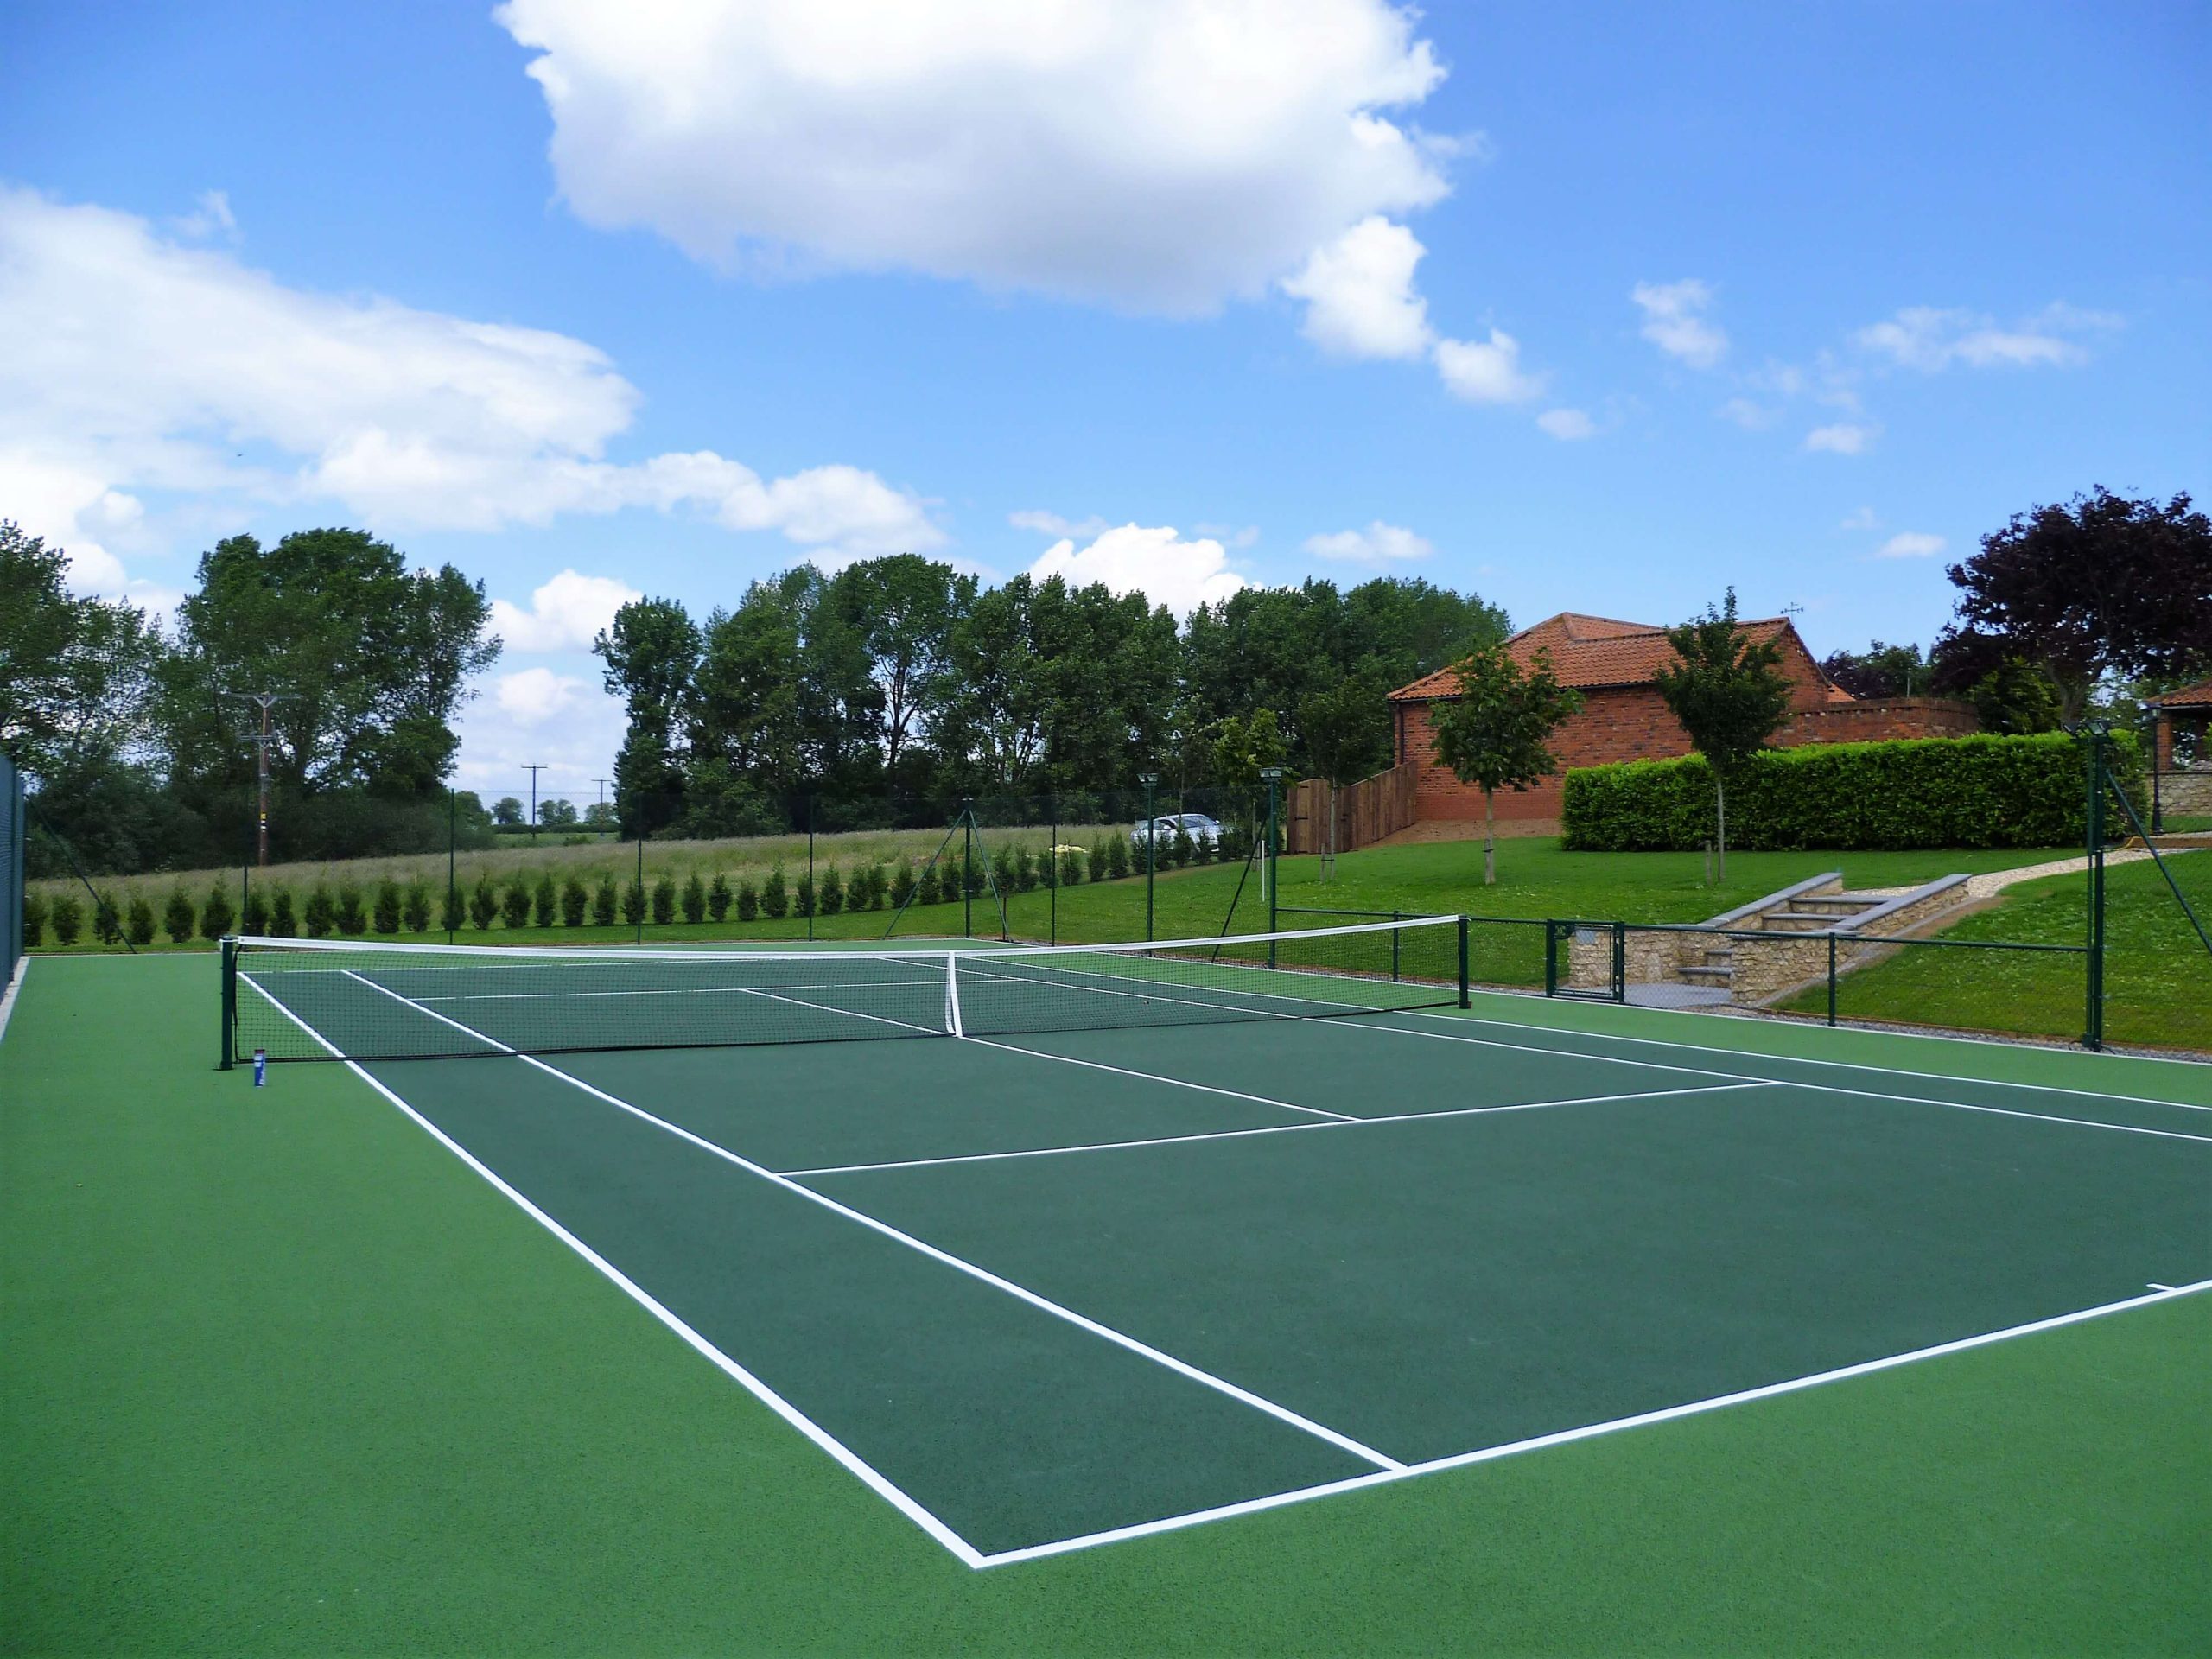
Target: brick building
(1623,717)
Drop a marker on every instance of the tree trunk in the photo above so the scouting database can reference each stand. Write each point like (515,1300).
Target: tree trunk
(1490,839)
(1720,795)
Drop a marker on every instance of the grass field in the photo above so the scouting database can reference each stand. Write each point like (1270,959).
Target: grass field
(281,1375)
(1536,878)
(2158,973)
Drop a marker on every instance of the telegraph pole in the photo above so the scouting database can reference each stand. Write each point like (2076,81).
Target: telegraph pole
(602,782)
(533,772)
(263,701)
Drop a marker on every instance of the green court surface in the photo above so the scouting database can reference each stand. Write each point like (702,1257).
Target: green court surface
(1530,1327)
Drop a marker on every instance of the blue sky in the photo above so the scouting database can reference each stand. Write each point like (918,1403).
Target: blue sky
(1602,308)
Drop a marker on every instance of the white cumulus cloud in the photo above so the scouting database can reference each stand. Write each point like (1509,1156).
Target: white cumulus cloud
(1910,544)
(1155,562)
(131,363)
(1359,293)
(565,614)
(1673,322)
(1486,372)
(1567,425)
(531,697)
(1158,156)
(1379,543)
(1843,438)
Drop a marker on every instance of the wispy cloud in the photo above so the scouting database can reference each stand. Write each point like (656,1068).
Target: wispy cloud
(1050,523)
(1844,438)
(1379,543)
(1567,425)
(1931,339)
(1910,544)
(1673,321)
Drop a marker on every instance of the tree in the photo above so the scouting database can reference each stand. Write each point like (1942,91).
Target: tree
(1347,729)
(1879,671)
(1495,733)
(650,652)
(599,815)
(75,674)
(557,814)
(1729,692)
(1242,750)
(902,610)
(507,813)
(370,660)
(2096,588)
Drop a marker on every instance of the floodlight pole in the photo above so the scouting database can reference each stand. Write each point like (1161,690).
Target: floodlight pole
(263,701)
(1151,840)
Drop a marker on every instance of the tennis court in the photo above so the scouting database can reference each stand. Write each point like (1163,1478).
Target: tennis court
(1153,1236)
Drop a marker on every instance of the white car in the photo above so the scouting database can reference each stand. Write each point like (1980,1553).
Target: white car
(1196,826)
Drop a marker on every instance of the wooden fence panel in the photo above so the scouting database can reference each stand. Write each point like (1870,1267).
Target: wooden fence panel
(1368,811)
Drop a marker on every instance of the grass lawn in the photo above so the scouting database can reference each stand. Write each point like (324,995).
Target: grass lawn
(1536,879)
(2158,973)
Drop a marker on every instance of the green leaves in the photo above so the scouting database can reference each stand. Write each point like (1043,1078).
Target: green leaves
(1971,791)
(1496,734)
(1727,689)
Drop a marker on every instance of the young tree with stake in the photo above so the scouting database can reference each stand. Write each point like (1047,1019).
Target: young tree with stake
(1730,694)
(1496,734)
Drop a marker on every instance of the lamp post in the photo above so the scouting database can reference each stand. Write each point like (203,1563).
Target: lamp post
(1151,840)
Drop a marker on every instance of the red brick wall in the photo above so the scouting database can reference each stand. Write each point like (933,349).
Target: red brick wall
(1632,723)
(1878,720)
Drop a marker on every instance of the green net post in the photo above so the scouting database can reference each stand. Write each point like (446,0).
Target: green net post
(1465,1000)
(228,1048)
(1271,872)
(453,841)
(1831,976)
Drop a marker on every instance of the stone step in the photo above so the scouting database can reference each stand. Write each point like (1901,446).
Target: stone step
(1706,971)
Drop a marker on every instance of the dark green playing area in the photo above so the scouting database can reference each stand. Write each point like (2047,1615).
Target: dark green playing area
(1046,1291)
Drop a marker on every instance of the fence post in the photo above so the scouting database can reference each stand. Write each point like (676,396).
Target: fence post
(1551,958)
(968,869)
(814,899)
(1831,976)
(452,838)
(1053,862)
(1466,1001)
(1271,873)
(2092,1034)
(1620,962)
(641,883)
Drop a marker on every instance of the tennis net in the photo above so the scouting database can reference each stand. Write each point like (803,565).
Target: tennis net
(347,999)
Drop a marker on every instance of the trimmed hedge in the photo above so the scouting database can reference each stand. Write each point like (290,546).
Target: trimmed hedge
(1933,791)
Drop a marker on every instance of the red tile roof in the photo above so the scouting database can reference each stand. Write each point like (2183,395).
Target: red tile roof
(1589,651)
(2189,696)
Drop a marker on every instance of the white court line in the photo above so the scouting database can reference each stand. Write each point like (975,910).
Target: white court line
(1463,1459)
(973,1558)
(850,1460)
(1181,1368)
(15,984)
(1847,1066)
(1155,1077)
(685,990)
(1272,1128)
(1785,1082)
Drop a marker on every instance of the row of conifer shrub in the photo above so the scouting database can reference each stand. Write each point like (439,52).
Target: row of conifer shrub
(393,907)
(1913,792)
